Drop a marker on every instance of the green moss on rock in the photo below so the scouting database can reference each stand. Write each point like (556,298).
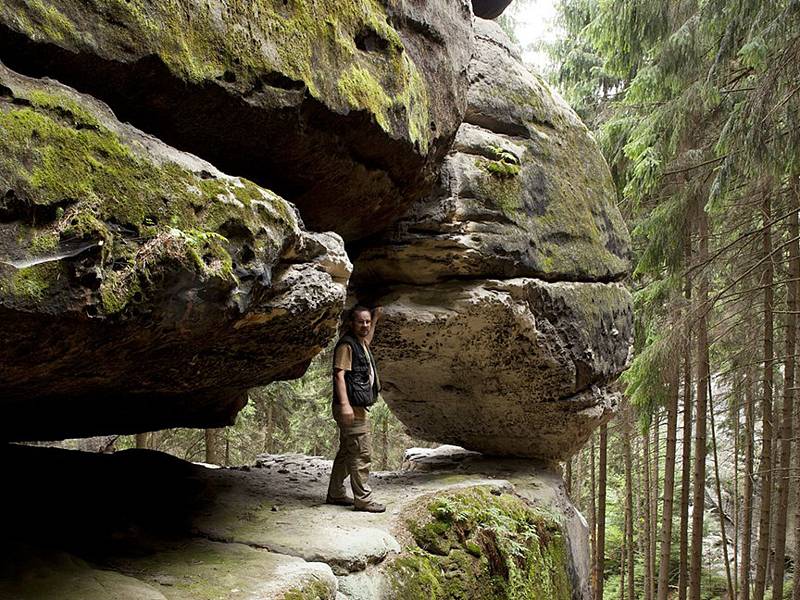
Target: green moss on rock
(30,284)
(502,169)
(47,19)
(479,544)
(362,91)
(245,42)
(505,164)
(44,243)
(145,213)
(501,186)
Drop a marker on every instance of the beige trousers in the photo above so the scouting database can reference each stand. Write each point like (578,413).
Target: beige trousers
(354,459)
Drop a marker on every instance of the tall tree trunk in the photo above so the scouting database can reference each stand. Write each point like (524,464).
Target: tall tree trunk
(747,499)
(622,556)
(639,502)
(686,445)
(718,488)
(698,503)
(601,510)
(669,484)
(626,441)
(788,407)
(737,434)
(593,512)
(777,403)
(654,475)
(765,466)
(796,589)
(212,446)
(143,440)
(269,429)
(646,512)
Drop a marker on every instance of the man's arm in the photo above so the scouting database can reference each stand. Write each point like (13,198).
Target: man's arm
(376,315)
(345,410)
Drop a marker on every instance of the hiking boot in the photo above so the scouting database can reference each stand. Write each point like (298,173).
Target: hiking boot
(373,507)
(346,501)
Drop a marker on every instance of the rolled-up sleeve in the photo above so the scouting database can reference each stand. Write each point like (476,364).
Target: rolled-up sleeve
(343,358)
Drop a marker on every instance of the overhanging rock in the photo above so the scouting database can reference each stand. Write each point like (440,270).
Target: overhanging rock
(141,288)
(344,108)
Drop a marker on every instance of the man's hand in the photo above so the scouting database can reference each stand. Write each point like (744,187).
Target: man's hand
(346,414)
(376,315)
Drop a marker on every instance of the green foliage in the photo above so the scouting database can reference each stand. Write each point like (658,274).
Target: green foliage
(695,106)
(788,588)
(581,75)
(508,24)
(754,54)
(645,379)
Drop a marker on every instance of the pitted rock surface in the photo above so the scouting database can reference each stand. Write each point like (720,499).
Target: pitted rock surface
(513,367)
(141,288)
(504,323)
(344,108)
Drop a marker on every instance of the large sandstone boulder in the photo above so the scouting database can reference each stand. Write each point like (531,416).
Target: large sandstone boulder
(344,108)
(514,367)
(141,288)
(504,323)
(524,191)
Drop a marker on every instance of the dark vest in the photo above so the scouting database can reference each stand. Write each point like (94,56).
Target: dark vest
(357,379)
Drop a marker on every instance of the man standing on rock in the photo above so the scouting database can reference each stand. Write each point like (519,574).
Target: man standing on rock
(355,389)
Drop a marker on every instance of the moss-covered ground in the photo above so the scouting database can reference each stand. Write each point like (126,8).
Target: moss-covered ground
(479,543)
(312,591)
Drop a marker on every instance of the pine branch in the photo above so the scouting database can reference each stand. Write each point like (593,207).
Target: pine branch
(697,166)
